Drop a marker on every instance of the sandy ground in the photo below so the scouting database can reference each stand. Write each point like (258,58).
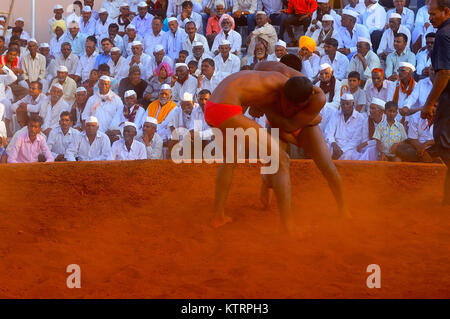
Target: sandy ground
(140,230)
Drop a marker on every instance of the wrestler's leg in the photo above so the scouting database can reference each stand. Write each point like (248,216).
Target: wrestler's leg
(311,139)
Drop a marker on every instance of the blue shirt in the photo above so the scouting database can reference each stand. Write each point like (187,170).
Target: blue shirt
(100,59)
(78,44)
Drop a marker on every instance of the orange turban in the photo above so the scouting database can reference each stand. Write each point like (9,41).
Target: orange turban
(308,43)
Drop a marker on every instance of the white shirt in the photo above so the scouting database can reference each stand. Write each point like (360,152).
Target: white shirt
(199,61)
(165,59)
(119,151)
(58,143)
(346,134)
(372,61)
(327,113)
(311,67)
(113,7)
(187,44)
(85,66)
(143,25)
(102,28)
(407,17)
(104,108)
(178,118)
(374,18)
(418,128)
(350,41)
(423,61)
(387,40)
(198,123)
(141,115)
(151,40)
(178,90)
(197,18)
(336,17)
(231,65)
(126,52)
(420,93)
(6,79)
(234,38)
(402,97)
(71,63)
(173,43)
(55,44)
(89,27)
(35,106)
(339,64)
(145,64)
(210,84)
(33,69)
(52,115)
(99,150)
(154,150)
(386,92)
(119,70)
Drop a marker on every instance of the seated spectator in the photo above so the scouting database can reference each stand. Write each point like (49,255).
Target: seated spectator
(403,88)
(186,15)
(58,11)
(379,88)
(155,37)
(368,145)
(420,139)
(7,77)
(87,61)
(208,79)
(90,83)
(118,66)
(105,56)
(29,144)
(356,6)
(81,97)
(323,9)
(401,54)
(142,60)
(112,7)
(280,51)
(353,88)
(76,39)
(128,39)
(226,23)
(389,134)
(213,27)
(364,61)
(327,31)
(128,148)
(180,117)
(374,18)
(244,13)
(50,68)
(76,14)
(159,56)
(67,59)
(133,82)
(225,62)
(69,86)
(198,53)
(193,36)
(87,21)
(420,93)
(173,39)
(299,13)
(310,60)
(337,60)
(264,30)
(113,35)
(103,22)
(163,75)
(34,64)
(103,105)
(198,123)
(56,41)
(61,137)
(182,56)
(406,14)
(193,69)
(274,12)
(260,53)
(142,21)
(330,85)
(152,141)
(387,40)
(133,112)
(53,108)
(182,82)
(345,130)
(422,27)
(89,145)
(124,18)
(160,109)
(423,57)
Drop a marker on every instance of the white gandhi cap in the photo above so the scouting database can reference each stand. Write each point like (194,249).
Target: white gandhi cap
(80,89)
(152,120)
(129,93)
(158,48)
(407,65)
(92,119)
(347,97)
(57,85)
(378,102)
(179,65)
(165,87)
(105,78)
(327,17)
(281,43)
(351,13)
(62,68)
(325,66)
(129,124)
(187,97)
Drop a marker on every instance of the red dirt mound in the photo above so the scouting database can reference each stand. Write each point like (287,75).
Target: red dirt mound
(140,230)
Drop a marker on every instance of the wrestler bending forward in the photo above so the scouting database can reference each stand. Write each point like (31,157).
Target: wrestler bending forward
(291,104)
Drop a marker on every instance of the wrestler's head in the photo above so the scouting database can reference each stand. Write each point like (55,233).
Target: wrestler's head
(297,90)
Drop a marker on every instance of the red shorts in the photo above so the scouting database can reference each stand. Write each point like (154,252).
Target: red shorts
(216,114)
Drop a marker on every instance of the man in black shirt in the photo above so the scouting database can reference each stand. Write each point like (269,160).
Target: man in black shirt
(438,101)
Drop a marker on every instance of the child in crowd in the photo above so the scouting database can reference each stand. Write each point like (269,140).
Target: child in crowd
(353,88)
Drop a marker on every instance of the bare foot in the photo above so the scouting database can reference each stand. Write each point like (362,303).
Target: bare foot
(219,221)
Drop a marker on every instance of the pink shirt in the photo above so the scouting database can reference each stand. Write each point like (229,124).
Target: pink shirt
(213,25)
(25,151)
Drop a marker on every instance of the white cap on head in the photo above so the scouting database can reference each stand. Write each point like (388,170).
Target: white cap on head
(105,78)
(407,65)
(187,97)
(131,27)
(197,44)
(136,43)
(57,7)
(80,89)
(91,119)
(179,65)
(124,4)
(225,42)
(152,120)
(351,13)
(325,66)
(378,102)
(87,9)
(102,10)
(129,93)
(129,124)
(74,24)
(158,48)
(261,12)
(2,18)
(327,17)
(281,43)
(23,36)
(62,68)
(395,15)
(322,1)
(57,85)
(361,39)
(171,19)
(20,19)
(347,97)
(165,86)
(33,40)
(142,4)
(44,45)
(115,49)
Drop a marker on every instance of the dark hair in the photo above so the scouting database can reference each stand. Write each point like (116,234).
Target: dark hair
(192,62)
(293,61)
(13,49)
(78,3)
(391,104)
(38,83)
(187,4)
(92,39)
(431,35)
(298,89)
(209,61)
(13,39)
(17,29)
(404,36)
(204,91)
(160,19)
(107,39)
(65,113)
(184,52)
(190,21)
(113,26)
(332,41)
(66,43)
(35,118)
(104,67)
(134,69)
(354,74)
(442,4)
